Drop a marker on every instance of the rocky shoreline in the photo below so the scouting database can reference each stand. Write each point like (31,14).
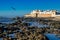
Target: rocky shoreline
(22,31)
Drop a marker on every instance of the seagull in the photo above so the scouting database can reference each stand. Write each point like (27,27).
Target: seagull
(13,8)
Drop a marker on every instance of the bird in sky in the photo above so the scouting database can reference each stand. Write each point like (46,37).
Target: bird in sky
(13,8)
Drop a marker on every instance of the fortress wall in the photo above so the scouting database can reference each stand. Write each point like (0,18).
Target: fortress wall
(44,15)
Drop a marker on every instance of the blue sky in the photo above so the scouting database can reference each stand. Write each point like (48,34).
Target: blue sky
(26,6)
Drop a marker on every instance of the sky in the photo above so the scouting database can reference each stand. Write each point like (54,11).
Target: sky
(12,8)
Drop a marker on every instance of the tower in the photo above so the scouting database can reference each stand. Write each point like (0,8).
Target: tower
(53,13)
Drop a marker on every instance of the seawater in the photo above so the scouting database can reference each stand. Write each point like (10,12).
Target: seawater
(6,21)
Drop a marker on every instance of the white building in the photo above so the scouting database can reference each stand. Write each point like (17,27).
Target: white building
(39,13)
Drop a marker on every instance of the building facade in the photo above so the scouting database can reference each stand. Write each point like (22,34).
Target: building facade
(38,13)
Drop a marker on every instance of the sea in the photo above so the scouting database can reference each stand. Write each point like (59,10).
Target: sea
(6,20)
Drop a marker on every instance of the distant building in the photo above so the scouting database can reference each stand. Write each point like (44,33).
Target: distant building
(39,13)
